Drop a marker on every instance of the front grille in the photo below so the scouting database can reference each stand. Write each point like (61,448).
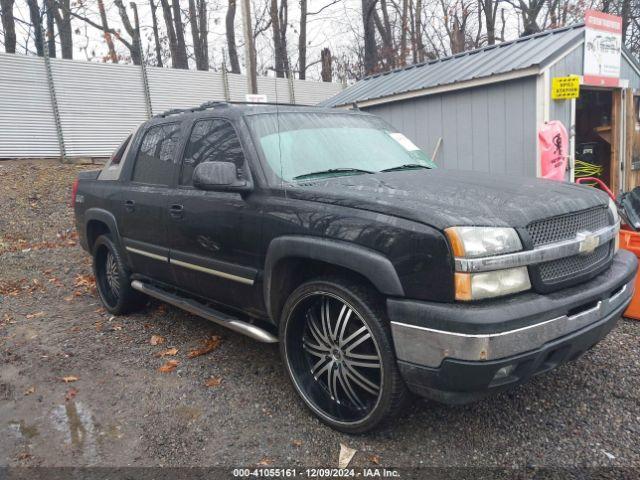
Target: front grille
(578,267)
(564,268)
(565,227)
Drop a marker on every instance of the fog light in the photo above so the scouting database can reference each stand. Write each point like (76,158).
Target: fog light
(504,372)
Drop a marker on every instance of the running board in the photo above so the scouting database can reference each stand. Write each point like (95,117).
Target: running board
(192,306)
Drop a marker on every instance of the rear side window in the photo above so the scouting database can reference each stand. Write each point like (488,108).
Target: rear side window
(211,140)
(117,155)
(154,163)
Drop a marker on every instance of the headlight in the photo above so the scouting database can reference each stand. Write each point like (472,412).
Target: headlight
(472,242)
(476,286)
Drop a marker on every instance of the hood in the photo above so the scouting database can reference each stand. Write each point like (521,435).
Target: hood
(444,198)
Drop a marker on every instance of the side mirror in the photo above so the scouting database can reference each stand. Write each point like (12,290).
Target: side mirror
(220,176)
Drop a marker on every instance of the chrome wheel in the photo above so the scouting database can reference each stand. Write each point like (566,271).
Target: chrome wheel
(334,358)
(111,273)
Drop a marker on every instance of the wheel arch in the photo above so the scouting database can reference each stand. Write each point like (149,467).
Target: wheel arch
(286,254)
(99,222)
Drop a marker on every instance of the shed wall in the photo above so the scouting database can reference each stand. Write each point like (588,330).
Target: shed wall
(490,128)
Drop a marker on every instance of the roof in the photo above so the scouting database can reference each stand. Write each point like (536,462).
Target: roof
(524,53)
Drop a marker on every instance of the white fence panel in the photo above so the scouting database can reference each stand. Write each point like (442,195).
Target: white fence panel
(237,87)
(182,88)
(312,93)
(27,126)
(276,89)
(99,104)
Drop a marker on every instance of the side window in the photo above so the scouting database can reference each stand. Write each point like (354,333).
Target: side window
(211,140)
(154,163)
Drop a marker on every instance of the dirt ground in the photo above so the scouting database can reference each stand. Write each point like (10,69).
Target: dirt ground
(79,387)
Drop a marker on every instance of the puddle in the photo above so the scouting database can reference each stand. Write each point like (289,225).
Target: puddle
(75,421)
(20,428)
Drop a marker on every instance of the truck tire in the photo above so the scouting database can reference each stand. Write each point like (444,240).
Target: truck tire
(336,345)
(113,280)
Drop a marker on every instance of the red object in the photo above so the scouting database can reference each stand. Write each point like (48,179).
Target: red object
(602,21)
(74,192)
(600,183)
(631,241)
(554,147)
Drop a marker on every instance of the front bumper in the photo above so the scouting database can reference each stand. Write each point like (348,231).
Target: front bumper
(458,352)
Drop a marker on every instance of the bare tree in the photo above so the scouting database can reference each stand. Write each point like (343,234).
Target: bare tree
(36,22)
(51,31)
(369,32)
(8,25)
(528,11)
(279,19)
(156,34)
(175,33)
(113,56)
(490,9)
(230,24)
(302,42)
(326,72)
(199,32)
(61,11)
(133,29)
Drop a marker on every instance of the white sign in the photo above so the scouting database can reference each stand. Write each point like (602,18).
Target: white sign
(255,98)
(602,49)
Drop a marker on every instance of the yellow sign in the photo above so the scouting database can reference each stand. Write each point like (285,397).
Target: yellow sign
(565,88)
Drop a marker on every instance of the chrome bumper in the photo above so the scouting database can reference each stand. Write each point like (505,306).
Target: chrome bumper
(429,347)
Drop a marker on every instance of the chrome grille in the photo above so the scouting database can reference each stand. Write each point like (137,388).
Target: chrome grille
(565,227)
(564,268)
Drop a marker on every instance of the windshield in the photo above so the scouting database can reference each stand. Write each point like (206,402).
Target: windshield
(305,145)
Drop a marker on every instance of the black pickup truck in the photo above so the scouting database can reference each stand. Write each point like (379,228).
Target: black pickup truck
(333,234)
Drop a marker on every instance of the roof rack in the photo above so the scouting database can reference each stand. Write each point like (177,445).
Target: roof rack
(219,103)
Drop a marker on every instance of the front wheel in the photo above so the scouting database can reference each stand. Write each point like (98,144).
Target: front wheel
(336,345)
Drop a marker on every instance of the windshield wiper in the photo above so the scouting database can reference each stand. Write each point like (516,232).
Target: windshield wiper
(407,166)
(330,171)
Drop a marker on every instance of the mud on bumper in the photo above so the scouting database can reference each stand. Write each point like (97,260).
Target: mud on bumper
(458,353)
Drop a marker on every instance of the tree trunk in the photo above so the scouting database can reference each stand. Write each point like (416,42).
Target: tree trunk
(156,35)
(370,49)
(63,22)
(403,33)
(51,33)
(181,46)
(198,21)
(490,8)
(419,45)
(107,35)
(171,33)
(8,25)
(230,22)
(302,42)
(279,54)
(325,59)
(36,22)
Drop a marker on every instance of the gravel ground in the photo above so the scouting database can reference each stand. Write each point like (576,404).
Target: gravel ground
(117,409)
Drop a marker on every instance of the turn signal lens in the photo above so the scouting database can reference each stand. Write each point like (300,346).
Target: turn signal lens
(478,286)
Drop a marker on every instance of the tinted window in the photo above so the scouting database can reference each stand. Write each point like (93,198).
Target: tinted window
(211,140)
(117,155)
(154,163)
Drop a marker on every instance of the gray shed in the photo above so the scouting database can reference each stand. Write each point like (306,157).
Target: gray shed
(482,109)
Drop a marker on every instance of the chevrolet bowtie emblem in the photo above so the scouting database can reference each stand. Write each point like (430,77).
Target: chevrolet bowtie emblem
(588,242)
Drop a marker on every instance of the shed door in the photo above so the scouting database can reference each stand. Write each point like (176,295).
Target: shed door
(632,147)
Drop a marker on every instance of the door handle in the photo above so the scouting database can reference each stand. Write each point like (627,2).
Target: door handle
(176,211)
(129,205)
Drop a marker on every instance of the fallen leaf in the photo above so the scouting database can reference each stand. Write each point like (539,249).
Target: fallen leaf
(24,456)
(209,345)
(71,394)
(30,390)
(70,379)
(116,327)
(169,352)
(375,459)
(346,454)
(213,382)
(265,462)
(296,443)
(156,340)
(35,315)
(169,366)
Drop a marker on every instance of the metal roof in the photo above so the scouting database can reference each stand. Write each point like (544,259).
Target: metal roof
(525,52)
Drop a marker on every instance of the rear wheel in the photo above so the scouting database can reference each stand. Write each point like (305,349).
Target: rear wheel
(113,278)
(336,345)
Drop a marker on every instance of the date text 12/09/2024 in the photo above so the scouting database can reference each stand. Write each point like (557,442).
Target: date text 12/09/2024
(316,473)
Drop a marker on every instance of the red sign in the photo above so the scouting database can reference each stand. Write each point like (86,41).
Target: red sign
(602,49)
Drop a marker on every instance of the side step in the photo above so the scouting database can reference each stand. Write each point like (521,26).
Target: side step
(192,306)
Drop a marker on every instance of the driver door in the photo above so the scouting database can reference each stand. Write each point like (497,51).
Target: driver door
(214,236)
